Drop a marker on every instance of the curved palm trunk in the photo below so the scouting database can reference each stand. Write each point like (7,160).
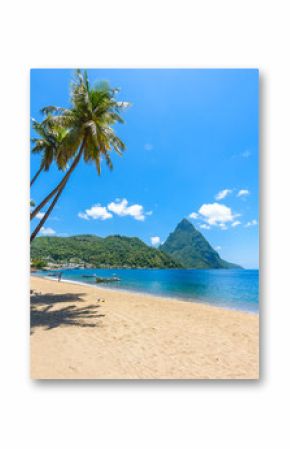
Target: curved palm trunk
(43,220)
(47,198)
(36,175)
(55,190)
(59,189)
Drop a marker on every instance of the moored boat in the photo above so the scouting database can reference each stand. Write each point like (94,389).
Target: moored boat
(112,279)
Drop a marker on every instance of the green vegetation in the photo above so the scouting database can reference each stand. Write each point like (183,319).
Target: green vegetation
(112,251)
(188,246)
(185,248)
(82,132)
(47,145)
(37,263)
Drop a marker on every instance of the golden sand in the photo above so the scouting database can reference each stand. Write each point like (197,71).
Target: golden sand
(83,332)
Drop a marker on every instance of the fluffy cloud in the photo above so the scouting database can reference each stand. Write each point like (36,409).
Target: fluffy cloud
(155,241)
(216,214)
(96,212)
(193,215)
(121,208)
(40,215)
(251,223)
(236,223)
(83,215)
(218,248)
(204,226)
(222,194)
(47,231)
(118,207)
(243,192)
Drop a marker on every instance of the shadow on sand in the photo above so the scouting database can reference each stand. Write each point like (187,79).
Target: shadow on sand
(47,311)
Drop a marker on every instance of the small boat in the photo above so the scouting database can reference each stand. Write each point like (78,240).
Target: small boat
(88,275)
(52,274)
(112,279)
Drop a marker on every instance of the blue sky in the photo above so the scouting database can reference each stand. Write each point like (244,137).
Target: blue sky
(192,151)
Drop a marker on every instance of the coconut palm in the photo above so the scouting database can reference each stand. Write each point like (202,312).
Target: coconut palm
(47,144)
(89,136)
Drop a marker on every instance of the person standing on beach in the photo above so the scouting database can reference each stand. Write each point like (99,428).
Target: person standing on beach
(59,276)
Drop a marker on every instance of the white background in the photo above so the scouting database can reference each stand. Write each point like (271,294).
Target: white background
(145,34)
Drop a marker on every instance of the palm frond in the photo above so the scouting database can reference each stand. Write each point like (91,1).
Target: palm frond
(47,110)
(90,120)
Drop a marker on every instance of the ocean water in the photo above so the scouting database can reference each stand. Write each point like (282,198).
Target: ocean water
(234,289)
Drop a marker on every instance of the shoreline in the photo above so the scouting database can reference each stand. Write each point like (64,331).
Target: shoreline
(150,295)
(79,332)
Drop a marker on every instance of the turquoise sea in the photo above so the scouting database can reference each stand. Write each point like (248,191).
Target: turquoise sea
(234,289)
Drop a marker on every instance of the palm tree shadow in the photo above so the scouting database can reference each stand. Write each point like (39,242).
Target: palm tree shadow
(46,312)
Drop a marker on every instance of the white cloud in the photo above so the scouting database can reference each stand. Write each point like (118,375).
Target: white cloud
(96,212)
(204,226)
(222,194)
(243,192)
(40,215)
(216,214)
(218,248)
(122,209)
(193,215)
(83,215)
(148,147)
(251,223)
(236,223)
(47,231)
(155,241)
(118,207)
(223,227)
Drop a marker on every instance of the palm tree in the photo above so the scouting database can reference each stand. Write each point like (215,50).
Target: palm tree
(47,144)
(89,132)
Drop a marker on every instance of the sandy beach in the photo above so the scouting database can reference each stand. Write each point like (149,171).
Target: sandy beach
(83,332)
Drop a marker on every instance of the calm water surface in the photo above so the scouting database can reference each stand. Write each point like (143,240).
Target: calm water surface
(235,289)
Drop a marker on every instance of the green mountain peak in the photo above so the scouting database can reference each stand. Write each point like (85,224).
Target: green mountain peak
(188,246)
(185,225)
